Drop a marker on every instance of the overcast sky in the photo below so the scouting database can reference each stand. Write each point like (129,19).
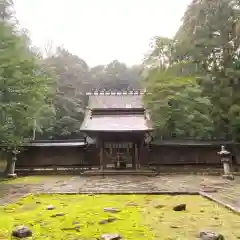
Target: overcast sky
(100,31)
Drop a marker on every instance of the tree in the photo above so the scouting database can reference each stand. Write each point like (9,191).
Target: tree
(209,37)
(205,50)
(160,54)
(115,76)
(6,10)
(174,97)
(23,87)
(72,81)
(177,107)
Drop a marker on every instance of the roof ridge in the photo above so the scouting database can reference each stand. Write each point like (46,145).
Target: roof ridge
(116,92)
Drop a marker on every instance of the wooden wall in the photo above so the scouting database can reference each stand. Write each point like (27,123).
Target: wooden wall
(51,156)
(161,155)
(180,155)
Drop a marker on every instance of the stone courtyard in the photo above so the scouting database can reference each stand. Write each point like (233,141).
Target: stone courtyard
(223,190)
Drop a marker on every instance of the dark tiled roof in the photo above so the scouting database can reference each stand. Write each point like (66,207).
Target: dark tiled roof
(115,101)
(104,117)
(56,144)
(115,123)
(186,142)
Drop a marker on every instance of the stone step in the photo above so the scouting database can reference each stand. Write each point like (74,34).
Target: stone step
(119,172)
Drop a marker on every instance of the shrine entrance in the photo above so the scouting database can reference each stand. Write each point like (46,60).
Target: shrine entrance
(118,122)
(118,155)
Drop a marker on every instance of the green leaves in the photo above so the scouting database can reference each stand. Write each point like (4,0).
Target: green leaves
(73,79)
(205,51)
(176,106)
(160,55)
(23,86)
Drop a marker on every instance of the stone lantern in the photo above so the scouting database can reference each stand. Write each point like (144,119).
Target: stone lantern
(226,161)
(11,173)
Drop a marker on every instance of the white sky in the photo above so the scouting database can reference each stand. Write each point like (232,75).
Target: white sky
(100,31)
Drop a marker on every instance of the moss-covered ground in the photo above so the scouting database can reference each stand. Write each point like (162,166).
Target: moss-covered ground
(142,217)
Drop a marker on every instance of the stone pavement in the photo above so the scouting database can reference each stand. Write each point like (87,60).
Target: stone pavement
(227,191)
(129,184)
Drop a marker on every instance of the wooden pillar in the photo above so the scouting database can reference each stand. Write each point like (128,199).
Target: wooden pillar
(136,156)
(142,153)
(101,156)
(141,145)
(132,151)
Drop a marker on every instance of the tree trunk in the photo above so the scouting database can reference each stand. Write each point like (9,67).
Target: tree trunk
(34,129)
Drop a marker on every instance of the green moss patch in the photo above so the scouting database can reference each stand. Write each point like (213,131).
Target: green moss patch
(141,217)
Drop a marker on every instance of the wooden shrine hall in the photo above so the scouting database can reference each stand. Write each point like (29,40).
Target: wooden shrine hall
(118,135)
(120,127)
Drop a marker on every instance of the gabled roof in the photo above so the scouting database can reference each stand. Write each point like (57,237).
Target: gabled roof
(116,123)
(116,112)
(116,100)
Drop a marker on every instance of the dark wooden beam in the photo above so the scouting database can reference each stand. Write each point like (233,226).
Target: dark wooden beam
(136,156)
(101,156)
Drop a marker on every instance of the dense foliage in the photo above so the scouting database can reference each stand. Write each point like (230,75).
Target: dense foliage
(192,80)
(73,79)
(206,51)
(177,107)
(45,97)
(24,86)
